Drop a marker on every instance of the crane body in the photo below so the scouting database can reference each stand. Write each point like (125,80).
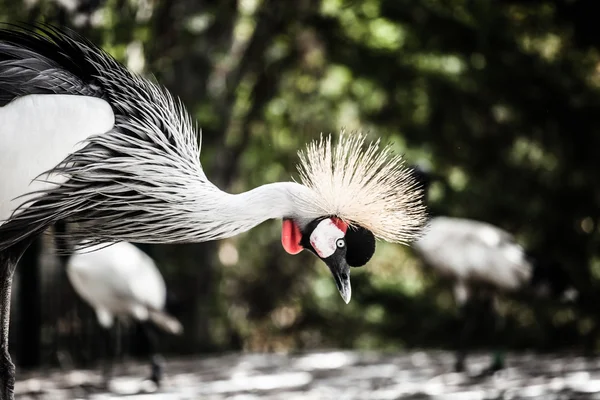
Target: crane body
(121,281)
(481,260)
(472,251)
(138,177)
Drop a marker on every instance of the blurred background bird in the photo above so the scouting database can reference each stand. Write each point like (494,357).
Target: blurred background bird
(482,260)
(121,281)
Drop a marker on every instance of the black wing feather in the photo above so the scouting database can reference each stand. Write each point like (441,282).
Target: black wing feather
(44,62)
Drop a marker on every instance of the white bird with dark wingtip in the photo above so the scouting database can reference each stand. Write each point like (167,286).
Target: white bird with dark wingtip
(474,251)
(121,281)
(481,260)
(117,157)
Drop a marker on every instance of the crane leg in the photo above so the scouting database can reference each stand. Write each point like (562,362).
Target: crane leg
(499,323)
(155,359)
(109,360)
(488,314)
(466,313)
(8,262)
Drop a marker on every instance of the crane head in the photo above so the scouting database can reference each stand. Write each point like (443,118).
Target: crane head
(339,245)
(356,192)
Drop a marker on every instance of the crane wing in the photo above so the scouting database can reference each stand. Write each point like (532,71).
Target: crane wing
(36,133)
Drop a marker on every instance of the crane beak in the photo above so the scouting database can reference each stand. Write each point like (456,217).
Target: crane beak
(341,275)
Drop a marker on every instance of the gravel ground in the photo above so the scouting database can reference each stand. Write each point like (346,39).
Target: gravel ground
(329,375)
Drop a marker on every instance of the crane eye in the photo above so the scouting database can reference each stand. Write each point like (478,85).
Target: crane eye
(340,243)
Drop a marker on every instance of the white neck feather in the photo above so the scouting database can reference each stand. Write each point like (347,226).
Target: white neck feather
(230,214)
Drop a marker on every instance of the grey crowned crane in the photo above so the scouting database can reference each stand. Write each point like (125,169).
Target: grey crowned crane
(482,260)
(121,281)
(116,157)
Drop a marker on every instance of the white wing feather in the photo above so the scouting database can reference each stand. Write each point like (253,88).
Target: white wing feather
(43,129)
(474,251)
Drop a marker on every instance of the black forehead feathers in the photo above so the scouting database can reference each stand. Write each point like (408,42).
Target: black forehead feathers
(360,246)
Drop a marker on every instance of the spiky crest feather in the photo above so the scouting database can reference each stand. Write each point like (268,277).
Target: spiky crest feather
(366,187)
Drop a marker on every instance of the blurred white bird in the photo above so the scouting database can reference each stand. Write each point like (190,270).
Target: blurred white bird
(481,260)
(121,281)
(474,252)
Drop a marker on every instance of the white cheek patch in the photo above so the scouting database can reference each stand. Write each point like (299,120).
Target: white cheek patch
(324,236)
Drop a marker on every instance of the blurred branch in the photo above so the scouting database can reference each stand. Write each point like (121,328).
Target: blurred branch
(270,21)
(263,91)
(274,18)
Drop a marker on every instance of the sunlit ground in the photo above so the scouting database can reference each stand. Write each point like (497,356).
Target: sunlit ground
(332,375)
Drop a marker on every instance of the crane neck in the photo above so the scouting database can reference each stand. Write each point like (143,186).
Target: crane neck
(232,214)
